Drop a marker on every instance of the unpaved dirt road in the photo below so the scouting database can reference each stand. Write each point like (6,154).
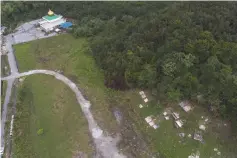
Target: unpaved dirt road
(106,146)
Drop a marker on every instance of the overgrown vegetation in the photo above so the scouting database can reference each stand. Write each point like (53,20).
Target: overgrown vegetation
(185,51)
(177,50)
(48,121)
(3,93)
(69,55)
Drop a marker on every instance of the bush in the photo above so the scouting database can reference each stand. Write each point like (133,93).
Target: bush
(40,131)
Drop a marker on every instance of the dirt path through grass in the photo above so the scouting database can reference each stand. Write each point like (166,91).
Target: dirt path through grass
(105,145)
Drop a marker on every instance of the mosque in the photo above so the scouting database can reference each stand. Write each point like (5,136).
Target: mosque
(50,21)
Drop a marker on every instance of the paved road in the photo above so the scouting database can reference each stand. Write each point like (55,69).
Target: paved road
(14,71)
(24,33)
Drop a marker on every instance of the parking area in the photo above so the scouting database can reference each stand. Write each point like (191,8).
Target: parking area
(28,32)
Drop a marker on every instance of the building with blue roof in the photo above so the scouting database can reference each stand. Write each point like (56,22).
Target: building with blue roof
(66,25)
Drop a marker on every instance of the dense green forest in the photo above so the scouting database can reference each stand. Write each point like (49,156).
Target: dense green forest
(177,50)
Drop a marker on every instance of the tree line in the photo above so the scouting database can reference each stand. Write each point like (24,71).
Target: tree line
(178,50)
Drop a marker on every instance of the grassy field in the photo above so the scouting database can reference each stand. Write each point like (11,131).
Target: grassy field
(46,103)
(70,56)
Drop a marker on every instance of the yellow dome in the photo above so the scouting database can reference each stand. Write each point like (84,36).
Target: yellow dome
(50,12)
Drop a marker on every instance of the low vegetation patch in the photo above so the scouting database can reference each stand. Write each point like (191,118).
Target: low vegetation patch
(70,56)
(48,122)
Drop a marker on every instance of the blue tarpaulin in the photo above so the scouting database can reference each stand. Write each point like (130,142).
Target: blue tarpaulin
(66,25)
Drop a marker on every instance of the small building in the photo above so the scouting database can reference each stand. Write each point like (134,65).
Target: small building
(198,136)
(202,127)
(178,123)
(185,106)
(175,115)
(148,119)
(65,25)
(143,96)
(141,92)
(145,100)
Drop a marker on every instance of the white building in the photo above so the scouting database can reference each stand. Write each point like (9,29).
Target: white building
(50,21)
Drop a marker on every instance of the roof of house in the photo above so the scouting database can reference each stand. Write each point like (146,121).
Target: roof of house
(66,25)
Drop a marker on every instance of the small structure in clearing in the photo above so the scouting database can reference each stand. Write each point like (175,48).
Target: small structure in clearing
(175,115)
(143,96)
(193,155)
(179,123)
(198,136)
(185,106)
(202,127)
(151,122)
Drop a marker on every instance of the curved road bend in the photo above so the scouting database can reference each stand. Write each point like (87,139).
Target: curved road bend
(106,146)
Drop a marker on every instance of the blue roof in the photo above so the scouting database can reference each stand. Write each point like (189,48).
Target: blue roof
(66,25)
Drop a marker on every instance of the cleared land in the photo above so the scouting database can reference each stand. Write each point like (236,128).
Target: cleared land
(70,56)
(45,103)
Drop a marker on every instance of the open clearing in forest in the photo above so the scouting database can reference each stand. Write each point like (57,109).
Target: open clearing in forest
(70,56)
(46,103)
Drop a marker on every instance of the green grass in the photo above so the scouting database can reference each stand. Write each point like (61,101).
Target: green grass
(44,102)
(70,55)
(3,92)
(166,140)
(67,54)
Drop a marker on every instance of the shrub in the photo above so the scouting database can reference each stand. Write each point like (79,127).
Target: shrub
(40,131)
